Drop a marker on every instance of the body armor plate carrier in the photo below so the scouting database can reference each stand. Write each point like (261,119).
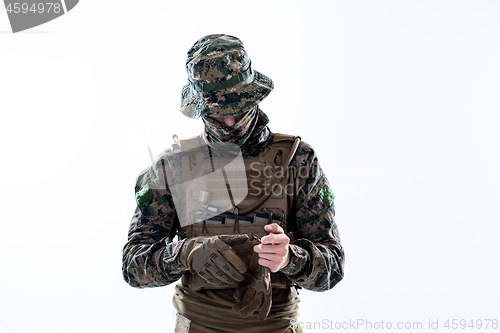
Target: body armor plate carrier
(270,187)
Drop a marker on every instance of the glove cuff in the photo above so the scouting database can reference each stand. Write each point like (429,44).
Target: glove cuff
(186,249)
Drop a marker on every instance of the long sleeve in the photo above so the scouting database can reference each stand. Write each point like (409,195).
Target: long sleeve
(316,256)
(149,258)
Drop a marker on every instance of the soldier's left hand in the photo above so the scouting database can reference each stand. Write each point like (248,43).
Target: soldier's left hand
(273,250)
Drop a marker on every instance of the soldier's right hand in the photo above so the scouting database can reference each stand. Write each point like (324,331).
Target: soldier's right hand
(213,259)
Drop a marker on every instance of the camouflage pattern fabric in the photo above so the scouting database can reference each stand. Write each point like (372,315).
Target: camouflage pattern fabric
(222,81)
(151,259)
(237,133)
(251,132)
(316,254)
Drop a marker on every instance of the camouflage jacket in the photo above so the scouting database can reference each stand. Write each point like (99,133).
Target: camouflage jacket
(151,259)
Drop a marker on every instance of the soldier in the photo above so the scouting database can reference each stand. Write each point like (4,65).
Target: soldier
(241,265)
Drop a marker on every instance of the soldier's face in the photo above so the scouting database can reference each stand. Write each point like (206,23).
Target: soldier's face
(229,121)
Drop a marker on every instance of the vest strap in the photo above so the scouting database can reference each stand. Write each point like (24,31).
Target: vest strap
(295,145)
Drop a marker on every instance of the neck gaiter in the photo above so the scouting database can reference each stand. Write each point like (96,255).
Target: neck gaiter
(249,133)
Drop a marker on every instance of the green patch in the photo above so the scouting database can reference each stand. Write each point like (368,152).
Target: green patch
(326,194)
(144,195)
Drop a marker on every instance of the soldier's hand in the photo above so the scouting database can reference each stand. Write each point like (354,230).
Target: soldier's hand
(213,259)
(273,251)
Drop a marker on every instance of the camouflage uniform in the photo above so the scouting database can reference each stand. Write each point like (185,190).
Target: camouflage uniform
(151,258)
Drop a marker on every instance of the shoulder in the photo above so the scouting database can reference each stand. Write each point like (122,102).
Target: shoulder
(314,185)
(303,156)
(288,139)
(167,162)
(305,150)
(151,174)
(155,185)
(152,193)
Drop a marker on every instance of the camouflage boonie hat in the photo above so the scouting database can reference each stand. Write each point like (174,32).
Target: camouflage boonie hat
(222,82)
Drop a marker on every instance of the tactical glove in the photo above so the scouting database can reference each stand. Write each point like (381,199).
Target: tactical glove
(255,291)
(213,259)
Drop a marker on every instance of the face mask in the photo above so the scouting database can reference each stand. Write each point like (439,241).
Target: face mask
(238,133)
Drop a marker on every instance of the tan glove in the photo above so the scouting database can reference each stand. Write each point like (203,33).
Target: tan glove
(213,259)
(255,291)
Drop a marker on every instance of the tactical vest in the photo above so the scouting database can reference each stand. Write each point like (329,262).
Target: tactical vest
(269,188)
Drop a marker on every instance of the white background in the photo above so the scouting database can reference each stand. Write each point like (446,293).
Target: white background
(400,99)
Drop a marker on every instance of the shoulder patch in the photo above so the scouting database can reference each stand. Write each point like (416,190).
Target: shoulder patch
(144,195)
(326,194)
